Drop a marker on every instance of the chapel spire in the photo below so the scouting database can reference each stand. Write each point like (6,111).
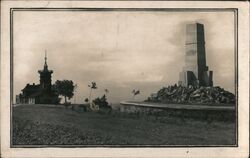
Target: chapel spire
(45,58)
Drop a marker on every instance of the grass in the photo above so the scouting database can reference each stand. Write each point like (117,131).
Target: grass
(41,125)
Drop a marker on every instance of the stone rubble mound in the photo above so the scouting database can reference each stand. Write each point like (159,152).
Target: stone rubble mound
(191,94)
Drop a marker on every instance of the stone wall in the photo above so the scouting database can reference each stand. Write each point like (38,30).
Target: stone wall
(207,115)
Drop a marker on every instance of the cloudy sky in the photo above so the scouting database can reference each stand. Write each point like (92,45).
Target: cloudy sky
(120,51)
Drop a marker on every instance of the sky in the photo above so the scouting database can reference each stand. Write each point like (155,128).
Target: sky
(119,50)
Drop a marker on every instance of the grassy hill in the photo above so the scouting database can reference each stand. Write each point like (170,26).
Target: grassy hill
(51,125)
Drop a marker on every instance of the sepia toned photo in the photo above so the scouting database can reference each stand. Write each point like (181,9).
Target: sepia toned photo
(127,77)
(124,79)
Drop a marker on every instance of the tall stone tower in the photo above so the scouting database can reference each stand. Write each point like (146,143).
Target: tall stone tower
(45,76)
(195,72)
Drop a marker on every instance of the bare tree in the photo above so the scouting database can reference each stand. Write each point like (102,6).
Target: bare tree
(92,86)
(135,92)
(106,91)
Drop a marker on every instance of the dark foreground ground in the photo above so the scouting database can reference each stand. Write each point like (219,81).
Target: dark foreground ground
(45,125)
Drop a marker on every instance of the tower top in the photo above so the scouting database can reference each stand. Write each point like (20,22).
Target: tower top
(195,33)
(194,23)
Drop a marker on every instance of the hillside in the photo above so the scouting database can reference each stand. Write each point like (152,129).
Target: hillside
(51,125)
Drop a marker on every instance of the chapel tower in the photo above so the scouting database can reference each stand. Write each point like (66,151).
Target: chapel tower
(45,76)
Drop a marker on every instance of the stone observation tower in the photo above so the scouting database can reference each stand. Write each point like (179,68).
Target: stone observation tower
(195,72)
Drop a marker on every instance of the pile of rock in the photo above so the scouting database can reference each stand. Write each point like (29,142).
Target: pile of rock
(191,94)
